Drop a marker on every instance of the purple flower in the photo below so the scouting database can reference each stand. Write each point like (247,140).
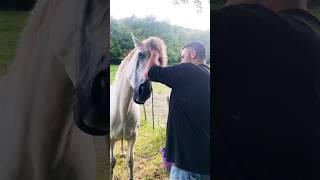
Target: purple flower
(166,164)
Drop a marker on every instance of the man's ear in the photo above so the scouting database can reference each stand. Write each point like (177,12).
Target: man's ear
(193,54)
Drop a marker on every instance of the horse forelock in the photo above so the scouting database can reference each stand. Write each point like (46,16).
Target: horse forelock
(152,43)
(155,43)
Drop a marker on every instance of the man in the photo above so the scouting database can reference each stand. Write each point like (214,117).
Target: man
(188,138)
(266,91)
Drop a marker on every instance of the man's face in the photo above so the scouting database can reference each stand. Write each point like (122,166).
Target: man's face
(187,55)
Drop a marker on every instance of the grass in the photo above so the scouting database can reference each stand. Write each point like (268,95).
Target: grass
(113,71)
(157,87)
(11,25)
(316,11)
(147,156)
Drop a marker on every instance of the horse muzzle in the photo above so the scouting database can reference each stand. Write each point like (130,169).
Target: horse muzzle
(91,105)
(142,92)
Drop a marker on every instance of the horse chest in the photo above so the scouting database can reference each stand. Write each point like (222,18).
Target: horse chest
(124,125)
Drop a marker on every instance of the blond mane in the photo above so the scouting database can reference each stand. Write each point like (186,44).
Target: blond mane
(152,43)
(155,43)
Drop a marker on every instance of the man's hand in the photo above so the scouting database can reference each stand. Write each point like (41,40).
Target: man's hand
(153,60)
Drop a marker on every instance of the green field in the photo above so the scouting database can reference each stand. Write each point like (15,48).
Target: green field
(11,24)
(147,156)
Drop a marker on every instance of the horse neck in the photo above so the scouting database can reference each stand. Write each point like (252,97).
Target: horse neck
(122,93)
(35,100)
(35,86)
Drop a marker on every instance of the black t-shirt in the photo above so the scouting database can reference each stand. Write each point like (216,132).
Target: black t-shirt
(266,93)
(188,136)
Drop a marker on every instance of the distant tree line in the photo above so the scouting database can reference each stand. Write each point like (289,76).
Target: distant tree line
(174,36)
(24,5)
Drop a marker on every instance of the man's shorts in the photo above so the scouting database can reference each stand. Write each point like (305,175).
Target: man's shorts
(180,174)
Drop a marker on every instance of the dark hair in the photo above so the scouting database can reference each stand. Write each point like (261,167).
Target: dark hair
(198,47)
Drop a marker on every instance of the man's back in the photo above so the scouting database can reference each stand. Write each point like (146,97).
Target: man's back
(188,137)
(266,98)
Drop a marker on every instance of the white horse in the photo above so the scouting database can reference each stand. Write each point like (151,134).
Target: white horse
(128,90)
(57,79)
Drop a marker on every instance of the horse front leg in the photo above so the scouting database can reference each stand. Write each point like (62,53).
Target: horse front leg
(123,155)
(131,142)
(112,157)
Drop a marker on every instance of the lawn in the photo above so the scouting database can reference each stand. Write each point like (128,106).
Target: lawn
(147,156)
(11,25)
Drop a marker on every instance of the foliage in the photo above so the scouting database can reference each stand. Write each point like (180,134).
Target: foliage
(24,5)
(174,36)
(11,25)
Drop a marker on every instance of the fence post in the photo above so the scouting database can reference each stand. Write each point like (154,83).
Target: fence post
(152,109)
(145,113)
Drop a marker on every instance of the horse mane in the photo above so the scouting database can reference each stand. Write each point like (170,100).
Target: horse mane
(158,44)
(123,64)
(152,43)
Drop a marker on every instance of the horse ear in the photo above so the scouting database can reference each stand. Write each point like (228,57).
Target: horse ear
(136,41)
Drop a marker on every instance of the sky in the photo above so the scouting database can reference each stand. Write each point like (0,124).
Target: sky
(185,15)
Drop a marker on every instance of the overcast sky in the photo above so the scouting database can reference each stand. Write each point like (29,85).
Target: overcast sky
(186,15)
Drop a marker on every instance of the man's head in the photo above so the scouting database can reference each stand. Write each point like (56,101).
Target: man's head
(193,52)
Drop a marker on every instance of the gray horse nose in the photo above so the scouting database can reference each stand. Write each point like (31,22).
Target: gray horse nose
(145,88)
(142,92)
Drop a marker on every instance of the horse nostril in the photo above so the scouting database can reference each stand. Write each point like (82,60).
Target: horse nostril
(98,92)
(141,89)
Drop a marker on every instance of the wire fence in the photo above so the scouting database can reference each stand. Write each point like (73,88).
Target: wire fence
(160,110)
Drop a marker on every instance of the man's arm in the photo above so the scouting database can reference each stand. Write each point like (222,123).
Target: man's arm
(170,76)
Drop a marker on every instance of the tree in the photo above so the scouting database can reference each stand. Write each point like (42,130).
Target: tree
(174,36)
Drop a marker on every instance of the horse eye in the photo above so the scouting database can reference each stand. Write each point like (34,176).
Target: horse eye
(140,55)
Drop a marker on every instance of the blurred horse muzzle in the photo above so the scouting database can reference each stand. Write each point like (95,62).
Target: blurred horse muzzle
(91,105)
(142,92)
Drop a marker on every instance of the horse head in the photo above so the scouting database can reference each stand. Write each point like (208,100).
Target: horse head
(139,59)
(81,43)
